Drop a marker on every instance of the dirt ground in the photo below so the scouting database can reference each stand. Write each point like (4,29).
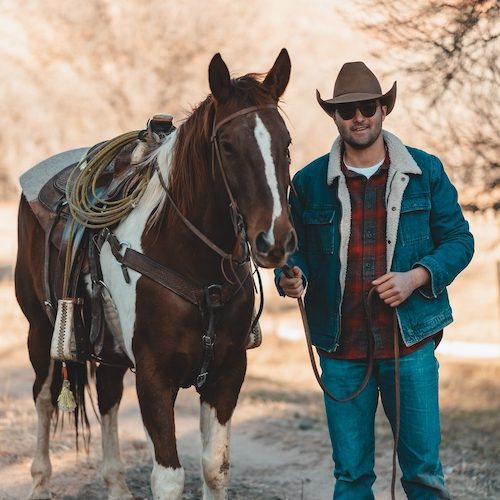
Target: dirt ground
(280,447)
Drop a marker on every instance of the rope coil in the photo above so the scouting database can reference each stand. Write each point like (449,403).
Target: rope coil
(87,207)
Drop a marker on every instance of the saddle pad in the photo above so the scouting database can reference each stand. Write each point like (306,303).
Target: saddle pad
(37,176)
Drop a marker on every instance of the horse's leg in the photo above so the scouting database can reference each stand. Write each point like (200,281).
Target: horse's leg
(109,393)
(157,399)
(41,468)
(217,405)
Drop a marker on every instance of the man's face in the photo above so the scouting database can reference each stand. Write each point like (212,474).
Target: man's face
(360,131)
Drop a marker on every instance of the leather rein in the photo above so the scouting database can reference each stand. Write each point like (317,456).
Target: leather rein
(369,368)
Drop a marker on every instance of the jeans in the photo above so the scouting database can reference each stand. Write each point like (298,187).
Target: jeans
(352,424)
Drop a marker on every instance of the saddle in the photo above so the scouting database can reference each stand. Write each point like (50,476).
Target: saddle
(50,206)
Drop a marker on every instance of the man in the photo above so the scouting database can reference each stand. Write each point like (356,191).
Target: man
(376,213)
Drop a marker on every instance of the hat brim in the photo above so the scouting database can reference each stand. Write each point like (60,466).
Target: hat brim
(388,99)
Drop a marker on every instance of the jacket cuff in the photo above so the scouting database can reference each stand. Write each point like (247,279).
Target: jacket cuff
(431,290)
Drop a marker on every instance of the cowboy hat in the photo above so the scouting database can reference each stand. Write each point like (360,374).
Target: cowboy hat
(356,82)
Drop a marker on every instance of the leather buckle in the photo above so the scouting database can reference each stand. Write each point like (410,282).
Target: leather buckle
(201,379)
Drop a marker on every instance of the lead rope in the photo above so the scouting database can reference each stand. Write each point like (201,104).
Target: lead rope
(287,271)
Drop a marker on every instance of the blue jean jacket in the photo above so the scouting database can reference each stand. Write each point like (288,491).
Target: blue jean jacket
(425,227)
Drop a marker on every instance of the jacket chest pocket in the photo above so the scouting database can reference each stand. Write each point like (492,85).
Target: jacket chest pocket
(415,220)
(320,230)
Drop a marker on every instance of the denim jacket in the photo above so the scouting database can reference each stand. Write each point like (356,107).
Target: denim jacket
(425,227)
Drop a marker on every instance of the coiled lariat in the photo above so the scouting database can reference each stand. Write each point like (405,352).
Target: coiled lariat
(87,206)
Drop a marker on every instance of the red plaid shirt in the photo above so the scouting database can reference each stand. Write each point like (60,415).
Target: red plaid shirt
(366,261)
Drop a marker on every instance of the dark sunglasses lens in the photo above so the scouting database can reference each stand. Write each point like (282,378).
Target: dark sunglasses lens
(348,110)
(368,108)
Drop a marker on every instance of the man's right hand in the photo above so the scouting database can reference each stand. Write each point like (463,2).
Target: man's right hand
(293,287)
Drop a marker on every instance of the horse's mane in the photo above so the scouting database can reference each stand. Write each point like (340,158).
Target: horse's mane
(185,161)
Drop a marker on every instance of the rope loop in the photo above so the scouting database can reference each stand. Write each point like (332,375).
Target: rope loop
(87,206)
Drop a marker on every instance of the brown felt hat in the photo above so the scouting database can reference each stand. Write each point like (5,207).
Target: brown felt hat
(356,82)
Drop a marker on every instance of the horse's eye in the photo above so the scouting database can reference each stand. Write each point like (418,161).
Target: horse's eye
(288,156)
(227,147)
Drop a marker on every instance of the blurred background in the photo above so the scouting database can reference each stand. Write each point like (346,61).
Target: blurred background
(75,73)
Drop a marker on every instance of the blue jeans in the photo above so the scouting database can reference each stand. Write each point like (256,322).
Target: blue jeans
(352,424)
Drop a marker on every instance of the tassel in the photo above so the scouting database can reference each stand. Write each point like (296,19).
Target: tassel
(66,400)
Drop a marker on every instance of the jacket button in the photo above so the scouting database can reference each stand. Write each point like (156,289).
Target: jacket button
(388,242)
(393,209)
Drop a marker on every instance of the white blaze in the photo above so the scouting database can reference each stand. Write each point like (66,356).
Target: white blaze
(264,142)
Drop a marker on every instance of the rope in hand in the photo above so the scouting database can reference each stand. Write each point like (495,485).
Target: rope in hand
(84,202)
(287,271)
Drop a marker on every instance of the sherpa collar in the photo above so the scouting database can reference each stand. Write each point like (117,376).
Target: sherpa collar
(401,160)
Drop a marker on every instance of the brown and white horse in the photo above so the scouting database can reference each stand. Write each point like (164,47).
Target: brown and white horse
(162,331)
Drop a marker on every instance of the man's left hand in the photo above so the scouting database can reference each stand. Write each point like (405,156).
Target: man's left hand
(394,288)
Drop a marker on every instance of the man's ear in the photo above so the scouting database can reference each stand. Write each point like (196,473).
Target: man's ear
(383,109)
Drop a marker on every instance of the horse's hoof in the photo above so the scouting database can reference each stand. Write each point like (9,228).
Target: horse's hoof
(40,495)
(121,493)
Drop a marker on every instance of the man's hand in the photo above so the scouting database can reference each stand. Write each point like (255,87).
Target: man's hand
(293,287)
(395,288)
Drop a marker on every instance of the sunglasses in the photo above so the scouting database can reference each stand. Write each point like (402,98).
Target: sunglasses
(348,110)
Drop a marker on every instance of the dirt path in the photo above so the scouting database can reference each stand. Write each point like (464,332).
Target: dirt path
(280,446)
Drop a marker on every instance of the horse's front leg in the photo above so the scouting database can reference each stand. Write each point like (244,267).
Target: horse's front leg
(156,399)
(109,394)
(218,401)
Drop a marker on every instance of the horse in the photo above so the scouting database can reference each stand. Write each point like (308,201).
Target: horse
(218,191)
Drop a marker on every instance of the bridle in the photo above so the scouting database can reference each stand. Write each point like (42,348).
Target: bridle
(237,220)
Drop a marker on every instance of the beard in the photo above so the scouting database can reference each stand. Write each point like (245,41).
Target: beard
(374,131)
(355,144)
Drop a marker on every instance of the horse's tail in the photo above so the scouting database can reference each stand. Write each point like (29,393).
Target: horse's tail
(79,375)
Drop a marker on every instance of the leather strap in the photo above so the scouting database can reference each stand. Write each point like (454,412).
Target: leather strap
(49,307)
(368,372)
(188,289)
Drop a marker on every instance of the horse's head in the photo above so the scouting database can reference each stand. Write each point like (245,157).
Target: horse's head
(251,141)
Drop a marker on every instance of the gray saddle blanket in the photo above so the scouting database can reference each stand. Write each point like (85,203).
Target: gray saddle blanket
(37,176)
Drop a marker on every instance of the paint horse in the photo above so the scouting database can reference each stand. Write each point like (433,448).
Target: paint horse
(231,151)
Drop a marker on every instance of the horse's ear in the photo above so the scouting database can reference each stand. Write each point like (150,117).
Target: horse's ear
(278,76)
(219,79)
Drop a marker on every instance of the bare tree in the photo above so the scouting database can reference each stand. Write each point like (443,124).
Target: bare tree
(449,52)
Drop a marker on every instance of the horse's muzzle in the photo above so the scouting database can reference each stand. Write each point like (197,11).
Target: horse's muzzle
(275,254)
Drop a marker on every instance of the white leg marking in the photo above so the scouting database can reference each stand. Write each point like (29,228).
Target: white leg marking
(167,483)
(264,142)
(215,456)
(41,468)
(112,467)
(130,231)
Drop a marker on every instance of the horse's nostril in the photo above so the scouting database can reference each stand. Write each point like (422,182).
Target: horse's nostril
(291,242)
(262,244)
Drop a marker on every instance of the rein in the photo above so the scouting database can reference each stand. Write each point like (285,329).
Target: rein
(368,372)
